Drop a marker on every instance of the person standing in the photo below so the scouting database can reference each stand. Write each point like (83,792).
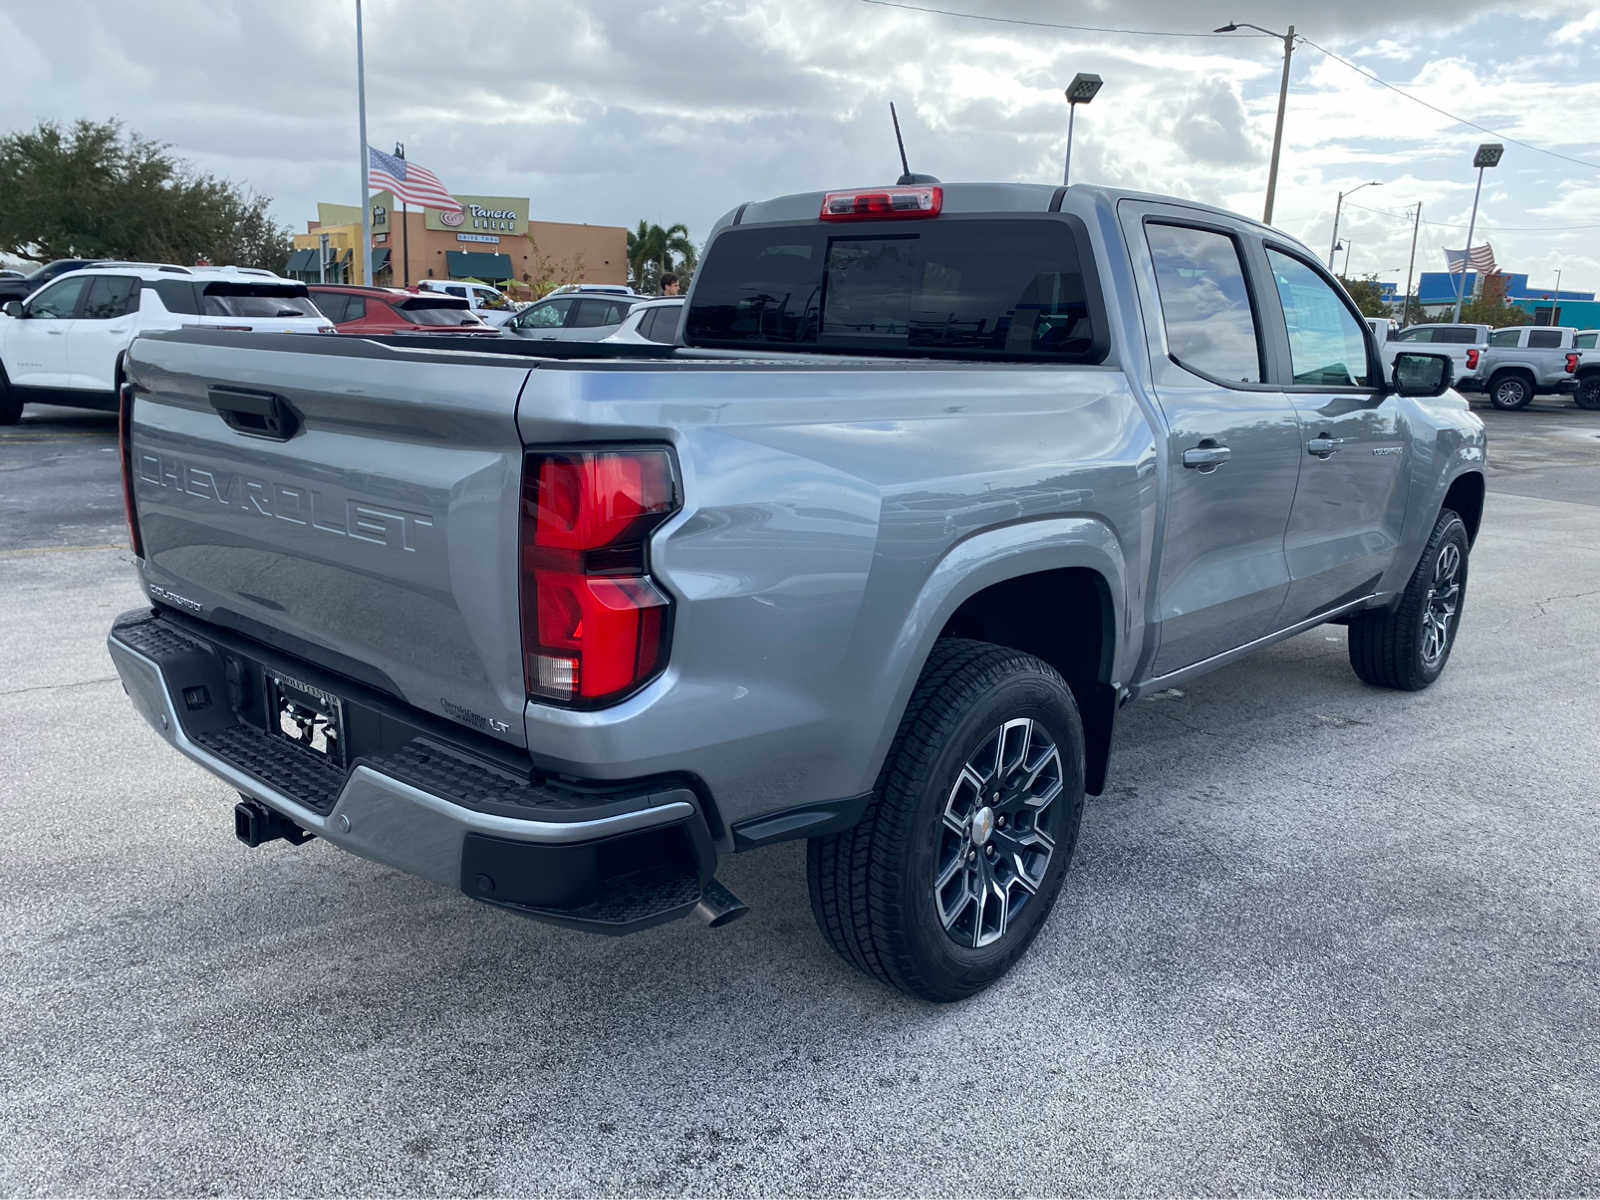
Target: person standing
(669,285)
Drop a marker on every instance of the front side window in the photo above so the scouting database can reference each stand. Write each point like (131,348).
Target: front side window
(1543,339)
(545,316)
(59,301)
(1504,337)
(1327,347)
(110,296)
(1211,327)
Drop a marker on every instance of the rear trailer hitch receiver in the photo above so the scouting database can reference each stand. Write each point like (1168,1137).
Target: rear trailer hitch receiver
(255,824)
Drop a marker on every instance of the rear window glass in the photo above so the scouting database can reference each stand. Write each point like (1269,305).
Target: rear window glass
(437,311)
(1543,339)
(257,300)
(1456,335)
(958,287)
(1585,341)
(1504,337)
(177,295)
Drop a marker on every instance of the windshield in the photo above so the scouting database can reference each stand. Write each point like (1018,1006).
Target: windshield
(967,288)
(438,311)
(258,300)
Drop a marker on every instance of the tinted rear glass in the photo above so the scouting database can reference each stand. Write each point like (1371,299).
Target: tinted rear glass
(957,287)
(333,305)
(177,295)
(437,311)
(1543,339)
(1456,335)
(257,300)
(1585,341)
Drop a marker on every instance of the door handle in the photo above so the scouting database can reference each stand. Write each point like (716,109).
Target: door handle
(1207,456)
(1324,446)
(56,332)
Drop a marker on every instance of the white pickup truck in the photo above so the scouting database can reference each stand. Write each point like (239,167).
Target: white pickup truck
(1465,344)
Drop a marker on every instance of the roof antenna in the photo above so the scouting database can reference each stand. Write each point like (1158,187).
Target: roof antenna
(907,179)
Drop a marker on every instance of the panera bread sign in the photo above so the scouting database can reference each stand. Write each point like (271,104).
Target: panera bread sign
(482,214)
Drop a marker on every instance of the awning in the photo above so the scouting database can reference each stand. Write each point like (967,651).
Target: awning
(302,260)
(380,259)
(467,264)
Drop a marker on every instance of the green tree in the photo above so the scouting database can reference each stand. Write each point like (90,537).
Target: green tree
(1368,295)
(654,252)
(95,191)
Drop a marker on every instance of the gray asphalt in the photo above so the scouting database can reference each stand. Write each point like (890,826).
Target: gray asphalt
(1318,939)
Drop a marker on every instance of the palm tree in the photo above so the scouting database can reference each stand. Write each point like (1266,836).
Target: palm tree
(654,251)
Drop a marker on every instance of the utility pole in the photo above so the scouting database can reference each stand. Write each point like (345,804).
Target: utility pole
(366,175)
(1283,101)
(1333,242)
(1405,307)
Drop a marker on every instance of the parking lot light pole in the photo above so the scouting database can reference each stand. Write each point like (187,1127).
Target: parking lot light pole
(361,106)
(1333,242)
(1081,90)
(1283,101)
(1488,155)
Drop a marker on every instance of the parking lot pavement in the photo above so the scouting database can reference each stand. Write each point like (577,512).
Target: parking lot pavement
(1318,938)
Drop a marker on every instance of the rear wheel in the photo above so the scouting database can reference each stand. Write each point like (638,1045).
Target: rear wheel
(1588,393)
(1407,646)
(10,402)
(946,881)
(1508,392)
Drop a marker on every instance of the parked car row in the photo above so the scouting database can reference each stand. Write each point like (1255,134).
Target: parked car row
(1510,365)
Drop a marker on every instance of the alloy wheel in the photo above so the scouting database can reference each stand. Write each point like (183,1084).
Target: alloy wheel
(1443,603)
(998,832)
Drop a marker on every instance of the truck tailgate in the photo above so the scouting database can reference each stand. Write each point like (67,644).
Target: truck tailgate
(377,539)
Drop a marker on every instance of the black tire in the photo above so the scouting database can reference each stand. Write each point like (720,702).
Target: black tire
(1510,391)
(1588,394)
(1391,648)
(10,402)
(873,887)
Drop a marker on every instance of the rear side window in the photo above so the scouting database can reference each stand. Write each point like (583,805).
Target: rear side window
(1543,339)
(595,312)
(258,300)
(1205,303)
(661,324)
(1456,335)
(1327,346)
(177,296)
(333,305)
(1585,341)
(1504,337)
(111,296)
(959,287)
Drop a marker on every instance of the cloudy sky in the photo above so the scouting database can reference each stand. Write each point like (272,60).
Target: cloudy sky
(612,110)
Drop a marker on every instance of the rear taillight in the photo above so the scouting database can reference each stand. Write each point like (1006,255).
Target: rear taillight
(1572,364)
(594,624)
(1472,358)
(125,446)
(881,204)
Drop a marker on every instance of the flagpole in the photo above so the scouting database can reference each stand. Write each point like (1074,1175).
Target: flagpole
(366,175)
(405,225)
(1471,225)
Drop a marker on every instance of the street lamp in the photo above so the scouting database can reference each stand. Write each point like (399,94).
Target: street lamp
(1283,100)
(1488,155)
(1081,90)
(1338,204)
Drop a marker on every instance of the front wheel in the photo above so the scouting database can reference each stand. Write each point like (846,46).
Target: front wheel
(1510,392)
(948,878)
(1588,393)
(1407,646)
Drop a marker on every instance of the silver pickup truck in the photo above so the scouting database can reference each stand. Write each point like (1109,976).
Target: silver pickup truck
(1524,361)
(938,479)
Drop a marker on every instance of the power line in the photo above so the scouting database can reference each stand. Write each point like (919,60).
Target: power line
(969,16)
(1389,212)
(947,12)
(1443,113)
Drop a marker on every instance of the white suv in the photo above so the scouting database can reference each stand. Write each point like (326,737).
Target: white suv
(64,343)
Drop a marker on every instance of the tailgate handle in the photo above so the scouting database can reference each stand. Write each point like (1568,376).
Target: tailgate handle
(258,414)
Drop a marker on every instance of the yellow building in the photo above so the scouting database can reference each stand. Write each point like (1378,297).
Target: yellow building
(491,239)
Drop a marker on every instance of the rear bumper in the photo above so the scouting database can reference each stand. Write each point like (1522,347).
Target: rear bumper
(611,858)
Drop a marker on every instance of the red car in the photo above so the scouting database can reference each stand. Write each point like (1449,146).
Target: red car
(365,310)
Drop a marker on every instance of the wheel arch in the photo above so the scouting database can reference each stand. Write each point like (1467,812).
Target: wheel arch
(1465,496)
(1054,588)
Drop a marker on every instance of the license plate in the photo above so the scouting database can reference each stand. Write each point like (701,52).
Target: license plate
(307,716)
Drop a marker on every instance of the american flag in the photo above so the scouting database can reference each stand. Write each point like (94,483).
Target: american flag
(1477,258)
(409,182)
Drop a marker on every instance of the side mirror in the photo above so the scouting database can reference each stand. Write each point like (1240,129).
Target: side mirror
(1421,374)
(14,308)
